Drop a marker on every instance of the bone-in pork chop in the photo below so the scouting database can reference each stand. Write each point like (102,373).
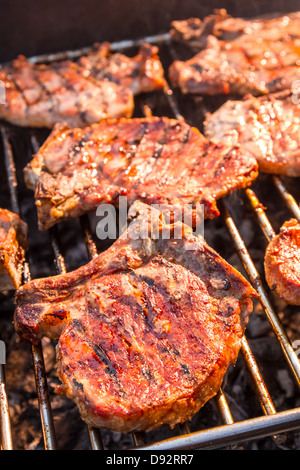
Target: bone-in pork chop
(146,330)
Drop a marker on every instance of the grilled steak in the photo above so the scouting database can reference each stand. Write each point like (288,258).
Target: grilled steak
(238,68)
(42,95)
(194,31)
(268,127)
(282,263)
(146,330)
(141,73)
(157,160)
(13,245)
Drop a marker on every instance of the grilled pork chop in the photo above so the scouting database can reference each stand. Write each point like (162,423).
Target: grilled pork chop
(13,245)
(220,24)
(157,160)
(238,67)
(42,95)
(282,263)
(238,56)
(268,127)
(146,330)
(141,73)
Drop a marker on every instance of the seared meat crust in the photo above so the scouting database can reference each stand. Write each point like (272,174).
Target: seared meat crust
(238,56)
(225,27)
(267,127)
(99,85)
(39,95)
(282,263)
(13,245)
(141,73)
(146,330)
(157,160)
(226,68)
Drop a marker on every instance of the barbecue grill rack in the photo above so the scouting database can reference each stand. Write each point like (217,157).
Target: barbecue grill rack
(271,423)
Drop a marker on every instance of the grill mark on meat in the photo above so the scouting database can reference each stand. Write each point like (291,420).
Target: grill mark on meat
(128,336)
(135,143)
(166,346)
(78,385)
(150,326)
(100,354)
(158,147)
(57,68)
(44,88)
(17,85)
(160,144)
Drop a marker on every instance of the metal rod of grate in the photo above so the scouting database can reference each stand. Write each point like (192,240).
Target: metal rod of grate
(273,422)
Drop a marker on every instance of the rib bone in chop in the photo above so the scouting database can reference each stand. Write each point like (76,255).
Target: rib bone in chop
(157,160)
(146,330)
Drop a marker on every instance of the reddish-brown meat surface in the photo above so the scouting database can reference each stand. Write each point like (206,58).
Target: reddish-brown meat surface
(13,245)
(225,27)
(141,73)
(282,263)
(267,127)
(42,95)
(146,330)
(258,57)
(100,85)
(223,68)
(156,160)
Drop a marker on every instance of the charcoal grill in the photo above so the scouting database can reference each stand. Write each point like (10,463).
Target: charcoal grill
(271,422)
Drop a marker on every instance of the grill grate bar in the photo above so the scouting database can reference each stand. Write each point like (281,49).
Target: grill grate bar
(263,220)
(218,437)
(5,427)
(288,198)
(114,46)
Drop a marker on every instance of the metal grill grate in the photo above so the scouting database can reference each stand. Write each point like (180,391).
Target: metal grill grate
(272,423)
